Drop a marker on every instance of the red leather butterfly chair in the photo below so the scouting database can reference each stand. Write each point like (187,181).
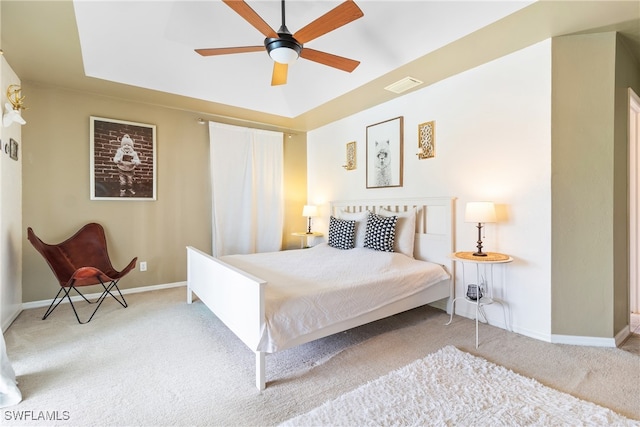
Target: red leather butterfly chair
(81,260)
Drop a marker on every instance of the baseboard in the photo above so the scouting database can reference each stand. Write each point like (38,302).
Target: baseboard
(469,312)
(45,303)
(622,335)
(532,334)
(584,341)
(9,320)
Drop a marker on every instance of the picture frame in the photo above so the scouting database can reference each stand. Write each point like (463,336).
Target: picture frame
(13,149)
(122,160)
(427,140)
(351,156)
(385,153)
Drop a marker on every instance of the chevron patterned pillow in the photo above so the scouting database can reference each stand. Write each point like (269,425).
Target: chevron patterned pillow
(342,233)
(381,232)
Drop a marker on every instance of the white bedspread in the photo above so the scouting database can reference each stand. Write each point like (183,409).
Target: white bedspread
(309,289)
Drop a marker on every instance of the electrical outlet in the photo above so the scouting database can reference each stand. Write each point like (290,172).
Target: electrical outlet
(143,265)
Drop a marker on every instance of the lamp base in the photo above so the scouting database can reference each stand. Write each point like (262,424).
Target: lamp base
(479,245)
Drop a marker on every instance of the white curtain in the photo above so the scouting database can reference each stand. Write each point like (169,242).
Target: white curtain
(9,392)
(246,181)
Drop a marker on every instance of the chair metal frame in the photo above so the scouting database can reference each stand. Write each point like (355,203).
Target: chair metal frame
(81,260)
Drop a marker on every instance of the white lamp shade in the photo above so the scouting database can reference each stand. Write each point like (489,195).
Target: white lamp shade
(284,55)
(310,210)
(480,212)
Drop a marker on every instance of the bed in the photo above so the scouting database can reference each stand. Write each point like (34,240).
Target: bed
(261,304)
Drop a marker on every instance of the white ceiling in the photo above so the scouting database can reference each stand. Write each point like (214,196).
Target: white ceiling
(149,44)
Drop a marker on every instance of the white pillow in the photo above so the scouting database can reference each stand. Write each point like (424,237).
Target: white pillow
(405,230)
(361,224)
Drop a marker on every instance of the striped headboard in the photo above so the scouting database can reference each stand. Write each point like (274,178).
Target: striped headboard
(435,223)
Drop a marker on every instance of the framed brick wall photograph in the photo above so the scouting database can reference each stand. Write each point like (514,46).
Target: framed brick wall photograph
(123,160)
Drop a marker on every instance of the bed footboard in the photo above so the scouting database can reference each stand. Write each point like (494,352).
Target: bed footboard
(235,297)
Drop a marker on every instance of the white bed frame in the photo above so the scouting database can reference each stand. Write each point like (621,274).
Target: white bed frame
(237,298)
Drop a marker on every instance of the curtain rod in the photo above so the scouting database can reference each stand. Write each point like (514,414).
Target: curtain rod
(265,126)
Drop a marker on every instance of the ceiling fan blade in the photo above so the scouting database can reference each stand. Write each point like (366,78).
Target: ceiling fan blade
(335,18)
(335,61)
(228,50)
(250,15)
(279,76)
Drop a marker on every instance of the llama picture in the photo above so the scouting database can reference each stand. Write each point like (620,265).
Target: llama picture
(383,164)
(384,154)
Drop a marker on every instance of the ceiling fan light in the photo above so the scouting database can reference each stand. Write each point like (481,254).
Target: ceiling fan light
(283,49)
(284,55)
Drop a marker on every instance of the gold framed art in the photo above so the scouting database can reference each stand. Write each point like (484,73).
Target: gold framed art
(351,156)
(427,140)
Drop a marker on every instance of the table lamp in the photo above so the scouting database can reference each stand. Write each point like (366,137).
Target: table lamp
(309,211)
(480,212)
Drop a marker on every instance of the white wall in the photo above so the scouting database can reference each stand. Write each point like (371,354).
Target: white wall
(493,142)
(10,212)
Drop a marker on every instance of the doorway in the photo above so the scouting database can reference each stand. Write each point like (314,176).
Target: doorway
(634,211)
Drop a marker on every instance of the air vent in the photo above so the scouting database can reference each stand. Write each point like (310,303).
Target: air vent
(403,85)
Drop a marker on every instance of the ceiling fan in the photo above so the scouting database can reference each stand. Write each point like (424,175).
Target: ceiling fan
(285,48)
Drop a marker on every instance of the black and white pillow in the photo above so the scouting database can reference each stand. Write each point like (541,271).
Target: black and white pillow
(381,232)
(361,224)
(342,233)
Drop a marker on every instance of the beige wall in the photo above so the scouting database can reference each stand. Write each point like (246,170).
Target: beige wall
(56,187)
(589,187)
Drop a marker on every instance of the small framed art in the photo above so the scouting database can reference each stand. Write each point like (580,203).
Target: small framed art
(427,140)
(13,149)
(351,156)
(123,160)
(384,153)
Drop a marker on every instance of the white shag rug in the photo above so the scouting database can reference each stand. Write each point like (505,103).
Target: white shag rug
(451,387)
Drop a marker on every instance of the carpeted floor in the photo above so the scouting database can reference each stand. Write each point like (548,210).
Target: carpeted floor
(163,362)
(463,390)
